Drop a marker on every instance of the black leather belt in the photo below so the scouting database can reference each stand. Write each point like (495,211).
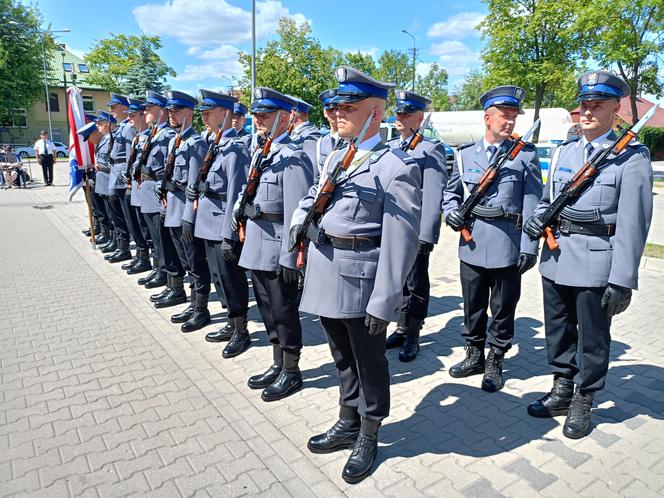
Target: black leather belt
(253,211)
(360,243)
(495,213)
(221,196)
(104,168)
(173,186)
(566,227)
(147,175)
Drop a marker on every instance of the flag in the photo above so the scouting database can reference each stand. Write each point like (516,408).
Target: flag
(81,154)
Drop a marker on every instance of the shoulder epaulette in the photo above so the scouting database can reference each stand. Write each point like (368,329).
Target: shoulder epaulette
(465,146)
(399,153)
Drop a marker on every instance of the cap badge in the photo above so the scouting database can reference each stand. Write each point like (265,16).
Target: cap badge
(518,93)
(592,78)
(402,95)
(340,73)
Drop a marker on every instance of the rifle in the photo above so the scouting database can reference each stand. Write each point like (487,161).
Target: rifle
(170,164)
(291,124)
(208,160)
(584,177)
(324,195)
(145,153)
(111,143)
(490,175)
(416,137)
(130,161)
(254,176)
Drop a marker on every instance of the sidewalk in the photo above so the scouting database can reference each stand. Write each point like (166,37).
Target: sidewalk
(103,396)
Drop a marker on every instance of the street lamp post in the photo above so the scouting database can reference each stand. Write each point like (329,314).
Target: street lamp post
(414,54)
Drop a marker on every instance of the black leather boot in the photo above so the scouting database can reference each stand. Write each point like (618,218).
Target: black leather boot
(145,278)
(87,232)
(493,372)
(240,340)
(131,263)
(186,313)
(111,246)
(556,402)
(160,295)
(176,295)
(143,263)
(341,435)
(364,452)
(288,381)
(398,337)
(103,237)
(201,315)
(159,279)
(411,345)
(122,254)
(578,416)
(224,334)
(472,365)
(261,381)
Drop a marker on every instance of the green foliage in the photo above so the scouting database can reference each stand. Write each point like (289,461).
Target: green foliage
(467,94)
(361,62)
(128,64)
(434,86)
(629,38)
(653,138)
(394,67)
(21,60)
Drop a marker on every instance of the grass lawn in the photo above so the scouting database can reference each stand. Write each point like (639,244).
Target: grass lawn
(654,251)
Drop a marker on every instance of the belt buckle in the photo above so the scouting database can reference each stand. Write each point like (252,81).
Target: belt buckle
(564,226)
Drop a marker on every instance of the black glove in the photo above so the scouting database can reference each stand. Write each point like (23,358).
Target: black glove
(234,221)
(126,178)
(425,248)
(375,326)
(292,237)
(190,193)
(454,220)
(525,262)
(287,275)
(162,216)
(616,299)
(533,228)
(228,250)
(187,232)
(158,191)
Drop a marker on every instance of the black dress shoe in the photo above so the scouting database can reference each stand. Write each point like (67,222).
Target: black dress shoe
(86,232)
(411,345)
(578,416)
(286,384)
(119,256)
(237,345)
(172,298)
(342,435)
(160,295)
(493,371)
(184,315)
(108,256)
(159,280)
(261,381)
(362,458)
(109,248)
(472,365)
(131,263)
(145,278)
(554,403)
(197,321)
(221,335)
(140,267)
(395,339)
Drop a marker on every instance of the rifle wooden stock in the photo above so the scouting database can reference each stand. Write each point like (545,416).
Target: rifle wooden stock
(550,239)
(130,161)
(169,167)
(205,167)
(145,153)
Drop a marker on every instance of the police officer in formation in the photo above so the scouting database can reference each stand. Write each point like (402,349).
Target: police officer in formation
(239,120)
(601,237)
(430,157)
(285,177)
(499,252)
(119,144)
(330,140)
(151,172)
(210,202)
(363,248)
(305,134)
(103,124)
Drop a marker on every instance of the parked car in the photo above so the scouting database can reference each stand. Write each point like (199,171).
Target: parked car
(61,150)
(544,151)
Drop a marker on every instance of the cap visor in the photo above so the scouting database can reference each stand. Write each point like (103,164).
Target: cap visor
(347,99)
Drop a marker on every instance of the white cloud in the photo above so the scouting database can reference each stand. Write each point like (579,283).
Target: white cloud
(205,23)
(220,70)
(221,52)
(422,68)
(458,26)
(78,53)
(455,57)
(370,51)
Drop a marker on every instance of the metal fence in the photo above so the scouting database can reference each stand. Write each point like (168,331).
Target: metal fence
(26,136)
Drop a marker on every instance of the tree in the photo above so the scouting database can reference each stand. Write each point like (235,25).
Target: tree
(21,60)
(467,94)
(631,36)
(294,64)
(361,62)
(434,86)
(127,64)
(394,67)
(533,44)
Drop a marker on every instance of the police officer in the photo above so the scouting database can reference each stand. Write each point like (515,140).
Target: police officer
(96,201)
(135,221)
(169,269)
(330,140)
(217,193)
(286,175)
(239,120)
(430,157)
(601,237)
(305,134)
(365,245)
(492,263)
(119,144)
(105,124)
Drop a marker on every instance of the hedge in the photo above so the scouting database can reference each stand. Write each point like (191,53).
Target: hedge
(653,138)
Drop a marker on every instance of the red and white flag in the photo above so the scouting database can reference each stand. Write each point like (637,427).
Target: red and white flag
(81,154)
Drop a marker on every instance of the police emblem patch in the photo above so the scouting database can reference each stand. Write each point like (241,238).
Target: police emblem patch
(401,95)
(592,78)
(340,73)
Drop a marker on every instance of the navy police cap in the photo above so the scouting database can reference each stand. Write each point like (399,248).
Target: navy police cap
(136,105)
(105,116)
(601,85)
(270,100)
(503,96)
(354,86)
(210,100)
(301,105)
(326,98)
(410,102)
(86,130)
(117,99)
(239,108)
(90,117)
(154,98)
(177,99)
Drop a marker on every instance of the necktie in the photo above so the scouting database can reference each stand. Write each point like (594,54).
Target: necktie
(491,149)
(589,150)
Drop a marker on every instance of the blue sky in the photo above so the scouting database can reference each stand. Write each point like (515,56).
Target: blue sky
(201,37)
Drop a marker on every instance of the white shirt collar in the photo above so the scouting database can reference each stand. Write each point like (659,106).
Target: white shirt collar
(598,141)
(369,143)
(487,144)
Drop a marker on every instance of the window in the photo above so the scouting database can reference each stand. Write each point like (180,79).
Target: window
(68,66)
(83,68)
(88,103)
(54,103)
(18,119)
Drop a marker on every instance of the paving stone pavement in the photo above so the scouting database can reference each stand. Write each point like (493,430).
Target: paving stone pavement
(103,396)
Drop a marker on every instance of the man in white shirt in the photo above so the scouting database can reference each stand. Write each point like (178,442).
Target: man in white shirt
(45,152)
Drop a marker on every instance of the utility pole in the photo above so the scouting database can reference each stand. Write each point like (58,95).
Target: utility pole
(414,55)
